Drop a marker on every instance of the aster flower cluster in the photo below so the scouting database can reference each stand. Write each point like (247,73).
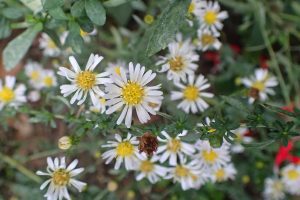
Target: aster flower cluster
(286,181)
(191,165)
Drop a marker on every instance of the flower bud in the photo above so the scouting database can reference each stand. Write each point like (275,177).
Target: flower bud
(64,142)
(112,186)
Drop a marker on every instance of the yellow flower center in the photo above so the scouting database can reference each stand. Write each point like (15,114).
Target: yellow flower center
(133,93)
(210,156)
(86,80)
(191,8)
(176,64)
(48,81)
(174,145)
(61,177)
(146,166)
(259,85)
(207,39)
(191,93)
(210,17)
(35,75)
(7,95)
(125,149)
(220,174)
(292,174)
(51,44)
(181,171)
(148,19)
(83,33)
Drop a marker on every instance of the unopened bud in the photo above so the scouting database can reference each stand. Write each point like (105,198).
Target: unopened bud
(64,142)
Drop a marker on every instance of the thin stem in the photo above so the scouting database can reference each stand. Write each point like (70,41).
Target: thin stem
(275,66)
(13,163)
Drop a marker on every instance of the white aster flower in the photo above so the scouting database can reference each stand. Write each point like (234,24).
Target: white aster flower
(84,82)
(132,93)
(115,68)
(262,83)
(189,175)
(211,18)
(48,79)
(291,178)
(241,137)
(192,94)
(34,71)
(10,96)
(210,157)
(123,150)
(61,176)
(100,106)
(208,40)
(274,189)
(149,169)
(173,147)
(180,61)
(222,174)
(48,46)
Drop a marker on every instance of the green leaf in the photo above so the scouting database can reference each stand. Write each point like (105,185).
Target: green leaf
(95,12)
(34,5)
(16,49)
(12,13)
(74,39)
(52,4)
(114,3)
(5,28)
(260,145)
(86,24)
(165,27)
(58,13)
(77,8)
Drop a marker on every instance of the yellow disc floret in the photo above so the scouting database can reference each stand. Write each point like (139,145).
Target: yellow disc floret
(146,166)
(86,80)
(125,149)
(133,93)
(60,177)
(209,156)
(191,93)
(207,39)
(176,64)
(210,17)
(174,145)
(7,95)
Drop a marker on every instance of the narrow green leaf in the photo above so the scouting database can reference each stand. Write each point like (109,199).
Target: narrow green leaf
(77,8)
(16,49)
(74,39)
(279,110)
(165,27)
(260,145)
(95,11)
(52,4)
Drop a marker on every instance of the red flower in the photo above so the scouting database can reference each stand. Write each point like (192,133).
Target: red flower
(284,155)
(235,48)
(263,62)
(213,57)
(289,108)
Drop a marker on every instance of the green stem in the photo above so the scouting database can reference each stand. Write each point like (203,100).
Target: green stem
(13,163)
(275,65)
(19,25)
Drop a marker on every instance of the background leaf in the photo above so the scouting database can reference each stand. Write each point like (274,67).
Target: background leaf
(52,4)
(16,49)
(5,28)
(165,27)
(95,11)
